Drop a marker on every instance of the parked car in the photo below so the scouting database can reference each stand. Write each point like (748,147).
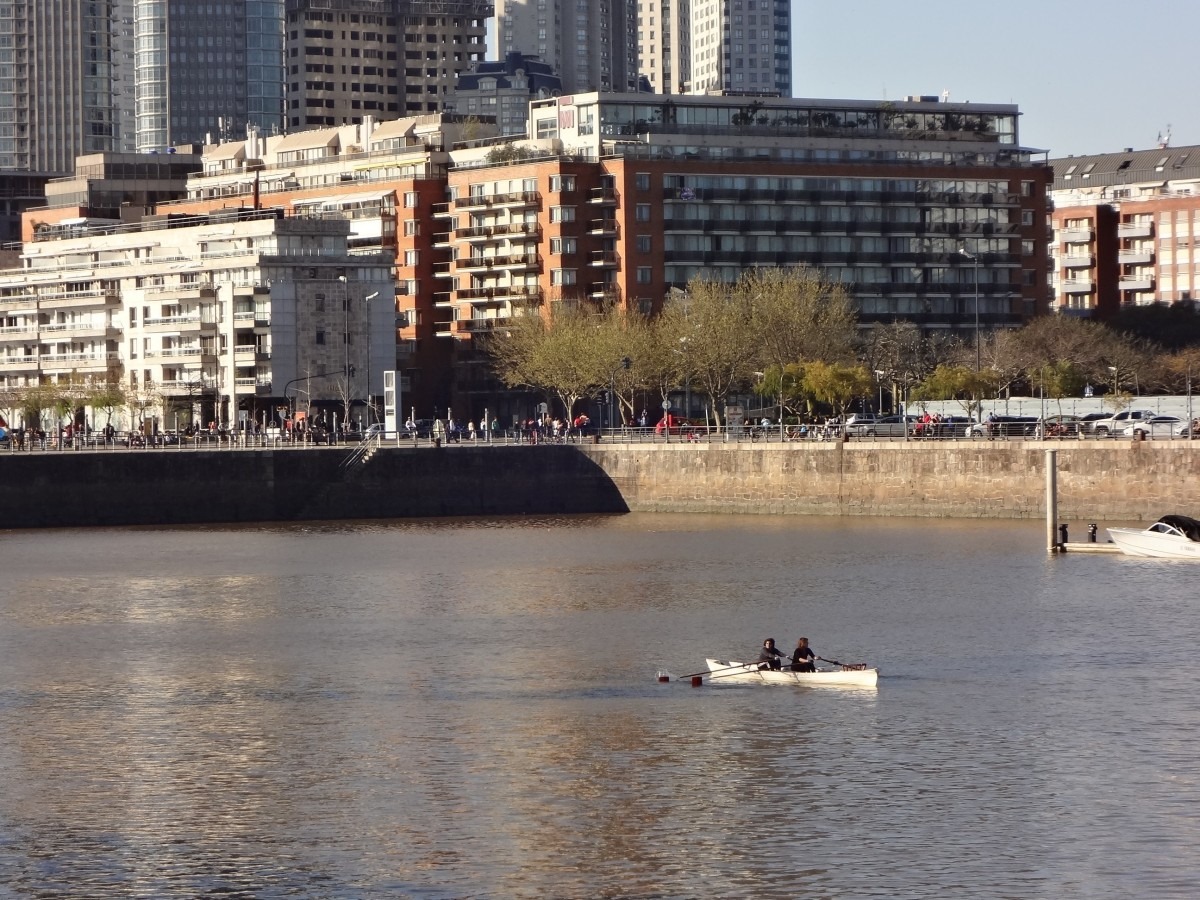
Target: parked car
(1157,426)
(1088,422)
(885,426)
(994,426)
(1115,424)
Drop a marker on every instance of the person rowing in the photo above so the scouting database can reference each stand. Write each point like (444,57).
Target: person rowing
(803,659)
(769,657)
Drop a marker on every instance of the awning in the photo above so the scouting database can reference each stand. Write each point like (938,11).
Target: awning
(308,140)
(341,201)
(219,152)
(390,131)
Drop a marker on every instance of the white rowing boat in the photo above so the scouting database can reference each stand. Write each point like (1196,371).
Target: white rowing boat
(726,672)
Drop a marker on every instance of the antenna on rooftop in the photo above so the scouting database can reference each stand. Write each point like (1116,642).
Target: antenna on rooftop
(1164,140)
(946,95)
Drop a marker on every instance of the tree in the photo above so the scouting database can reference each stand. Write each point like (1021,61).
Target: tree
(107,397)
(836,384)
(570,357)
(960,383)
(799,315)
(721,348)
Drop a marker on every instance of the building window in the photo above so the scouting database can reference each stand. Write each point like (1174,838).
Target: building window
(563,245)
(320,302)
(411,227)
(562,214)
(1027,217)
(644,275)
(560,183)
(320,336)
(642,180)
(642,212)
(410,199)
(562,276)
(412,257)
(643,243)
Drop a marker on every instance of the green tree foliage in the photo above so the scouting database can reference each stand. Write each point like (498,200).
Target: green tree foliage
(960,383)
(836,384)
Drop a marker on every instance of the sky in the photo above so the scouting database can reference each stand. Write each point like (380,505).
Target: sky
(1089,76)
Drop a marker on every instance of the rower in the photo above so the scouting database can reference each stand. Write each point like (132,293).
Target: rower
(769,656)
(803,659)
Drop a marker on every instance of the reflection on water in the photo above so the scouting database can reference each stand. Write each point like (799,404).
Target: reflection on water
(469,709)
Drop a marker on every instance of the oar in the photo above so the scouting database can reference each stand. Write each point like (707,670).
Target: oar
(710,671)
(749,670)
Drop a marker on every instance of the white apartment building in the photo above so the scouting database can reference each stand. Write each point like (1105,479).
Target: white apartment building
(664,44)
(741,46)
(224,318)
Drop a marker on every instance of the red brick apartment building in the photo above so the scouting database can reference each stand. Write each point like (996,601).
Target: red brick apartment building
(1126,230)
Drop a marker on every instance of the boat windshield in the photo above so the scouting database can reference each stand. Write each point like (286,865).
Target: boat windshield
(1186,525)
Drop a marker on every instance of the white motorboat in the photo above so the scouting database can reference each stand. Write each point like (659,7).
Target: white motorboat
(1171,537)
(728,672)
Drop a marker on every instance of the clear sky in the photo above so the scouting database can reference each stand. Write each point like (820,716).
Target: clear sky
(1089,76)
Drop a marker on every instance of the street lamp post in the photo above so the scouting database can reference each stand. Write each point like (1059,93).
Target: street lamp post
(367,305)
(975,260)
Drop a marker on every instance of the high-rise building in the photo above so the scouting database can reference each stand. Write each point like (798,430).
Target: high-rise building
(56,96)
(206,69)
(664,44)
(347,59)
(591,44)
(741,46)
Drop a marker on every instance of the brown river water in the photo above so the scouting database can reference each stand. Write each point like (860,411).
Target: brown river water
(469,709)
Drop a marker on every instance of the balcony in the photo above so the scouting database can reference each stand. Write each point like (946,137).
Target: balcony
(604,196)
(1075,235)
(1136,283)
(477,326)
(1135,229)
(1077,286)
(603,226)
(18,332)
(521,292)
(442,239)
(485,232)
(177,324)
(517,199)
(1135,257)
(598,290)
(1078,261)
(605,259)
(515,261)
(84,360)
(64,299)
(188,354)
(60,330)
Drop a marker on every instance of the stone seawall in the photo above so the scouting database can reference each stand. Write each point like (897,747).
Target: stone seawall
(169,487)
(1110,480)
(1106,480)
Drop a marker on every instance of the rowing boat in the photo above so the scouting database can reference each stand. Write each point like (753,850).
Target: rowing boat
(725,672)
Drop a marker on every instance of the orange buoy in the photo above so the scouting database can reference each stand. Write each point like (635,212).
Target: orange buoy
(697,680)
(663,678)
